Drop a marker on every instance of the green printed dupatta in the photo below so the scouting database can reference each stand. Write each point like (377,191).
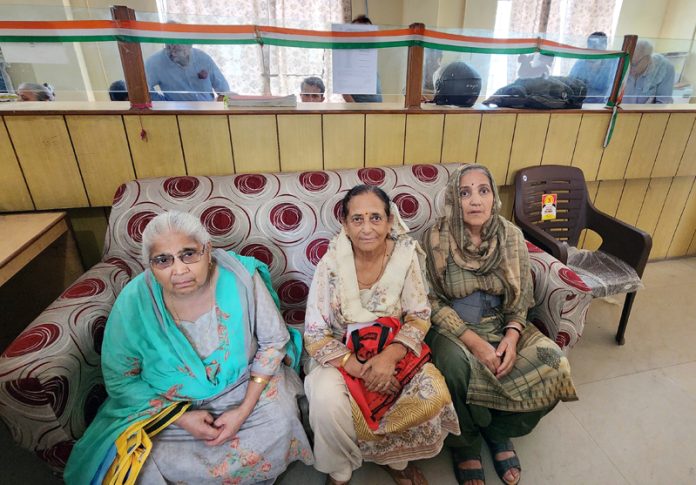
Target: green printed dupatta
(148,363)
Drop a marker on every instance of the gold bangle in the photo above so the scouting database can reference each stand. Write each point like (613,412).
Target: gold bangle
(345,359)
(260,380)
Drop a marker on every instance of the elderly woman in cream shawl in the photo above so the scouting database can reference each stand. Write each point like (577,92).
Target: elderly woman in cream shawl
(372,269)
(504,375)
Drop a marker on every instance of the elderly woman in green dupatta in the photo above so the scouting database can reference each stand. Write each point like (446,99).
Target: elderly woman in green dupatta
(504,375)
(372,269)
(197,365)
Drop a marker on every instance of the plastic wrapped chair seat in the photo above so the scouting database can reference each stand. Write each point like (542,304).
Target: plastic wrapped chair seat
(603,273)
(618,264)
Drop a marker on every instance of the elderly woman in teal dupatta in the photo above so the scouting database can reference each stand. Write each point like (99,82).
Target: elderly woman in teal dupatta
(504,375)
(194,360)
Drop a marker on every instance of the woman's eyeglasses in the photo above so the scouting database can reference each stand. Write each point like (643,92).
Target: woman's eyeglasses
(187,256)
(358,220)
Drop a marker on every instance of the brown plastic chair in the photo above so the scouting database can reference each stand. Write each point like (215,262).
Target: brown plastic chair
(575,212)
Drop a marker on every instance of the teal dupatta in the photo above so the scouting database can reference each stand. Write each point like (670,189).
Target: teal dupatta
(149,364)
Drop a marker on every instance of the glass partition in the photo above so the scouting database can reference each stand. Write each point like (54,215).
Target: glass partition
(280,70)
(59,71)
(319,66)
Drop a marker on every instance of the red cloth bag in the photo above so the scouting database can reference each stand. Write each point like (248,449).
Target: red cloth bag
(367,342)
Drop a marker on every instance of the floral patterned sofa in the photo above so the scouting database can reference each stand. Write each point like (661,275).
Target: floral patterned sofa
(50,378)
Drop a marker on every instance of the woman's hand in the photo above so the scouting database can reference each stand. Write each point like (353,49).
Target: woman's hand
(507,350)
(229,424)
(353,367)
(378,372)
(482,350)
(199,424)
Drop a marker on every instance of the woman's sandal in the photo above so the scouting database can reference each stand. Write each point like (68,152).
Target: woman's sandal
(411,473)
(502,466)
(464,475)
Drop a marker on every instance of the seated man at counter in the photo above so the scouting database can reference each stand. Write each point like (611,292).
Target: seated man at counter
(597,74)
(651,77)
(312,90)
(185,74)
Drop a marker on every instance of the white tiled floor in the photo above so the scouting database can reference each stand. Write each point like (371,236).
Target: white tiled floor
(634,423)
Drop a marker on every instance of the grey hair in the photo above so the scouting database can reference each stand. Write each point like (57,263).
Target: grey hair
(172,222)
(644,46)
(43,91)
(313,81)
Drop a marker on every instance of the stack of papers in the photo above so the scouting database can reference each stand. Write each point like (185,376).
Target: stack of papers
(271,101)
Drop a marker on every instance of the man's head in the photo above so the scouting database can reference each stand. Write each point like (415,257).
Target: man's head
(642,57)
(362,19)
(118,91)
(312,90)
(35,92)
(597,40)
(179,53)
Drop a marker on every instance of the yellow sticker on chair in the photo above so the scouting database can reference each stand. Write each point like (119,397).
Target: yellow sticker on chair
(548,206)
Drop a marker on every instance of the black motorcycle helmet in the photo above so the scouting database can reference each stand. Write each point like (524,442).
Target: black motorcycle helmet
(458,85)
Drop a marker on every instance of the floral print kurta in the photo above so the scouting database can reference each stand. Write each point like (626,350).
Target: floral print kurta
(418,422)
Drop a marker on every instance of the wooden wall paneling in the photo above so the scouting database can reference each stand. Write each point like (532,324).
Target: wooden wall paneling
(254,143)
(158,153)
(460,138)
(588,148)
(102,152)
(14,193)
(686,229)
(631,200)
(300,142)
(206,143)
(495,142)
(424,134)
(344,141)
(527,143)
(670,215)
(591,194)
(561,138)
(384,139)
(652,206)
(644,152)
(46,155)
(687,164)
(89,227)
(507,197)
(616,154)
(692,247)
(673,144)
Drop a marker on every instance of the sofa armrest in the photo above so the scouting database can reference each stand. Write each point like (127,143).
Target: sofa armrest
(561,299)
(50,376)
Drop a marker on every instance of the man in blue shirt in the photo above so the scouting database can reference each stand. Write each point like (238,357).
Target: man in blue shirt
(598,75)
(185,74)
(651,77)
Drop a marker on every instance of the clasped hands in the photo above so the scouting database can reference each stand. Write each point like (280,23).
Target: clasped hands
(378,372)
(499,360)
(213,431)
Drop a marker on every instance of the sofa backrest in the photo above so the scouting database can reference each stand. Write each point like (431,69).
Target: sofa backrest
(284,219)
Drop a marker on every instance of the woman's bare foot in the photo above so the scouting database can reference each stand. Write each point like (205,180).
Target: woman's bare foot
(331,481)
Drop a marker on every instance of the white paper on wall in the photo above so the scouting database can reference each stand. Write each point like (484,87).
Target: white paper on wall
(354,70)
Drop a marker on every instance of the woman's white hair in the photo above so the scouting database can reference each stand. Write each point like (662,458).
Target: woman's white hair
(172,222)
